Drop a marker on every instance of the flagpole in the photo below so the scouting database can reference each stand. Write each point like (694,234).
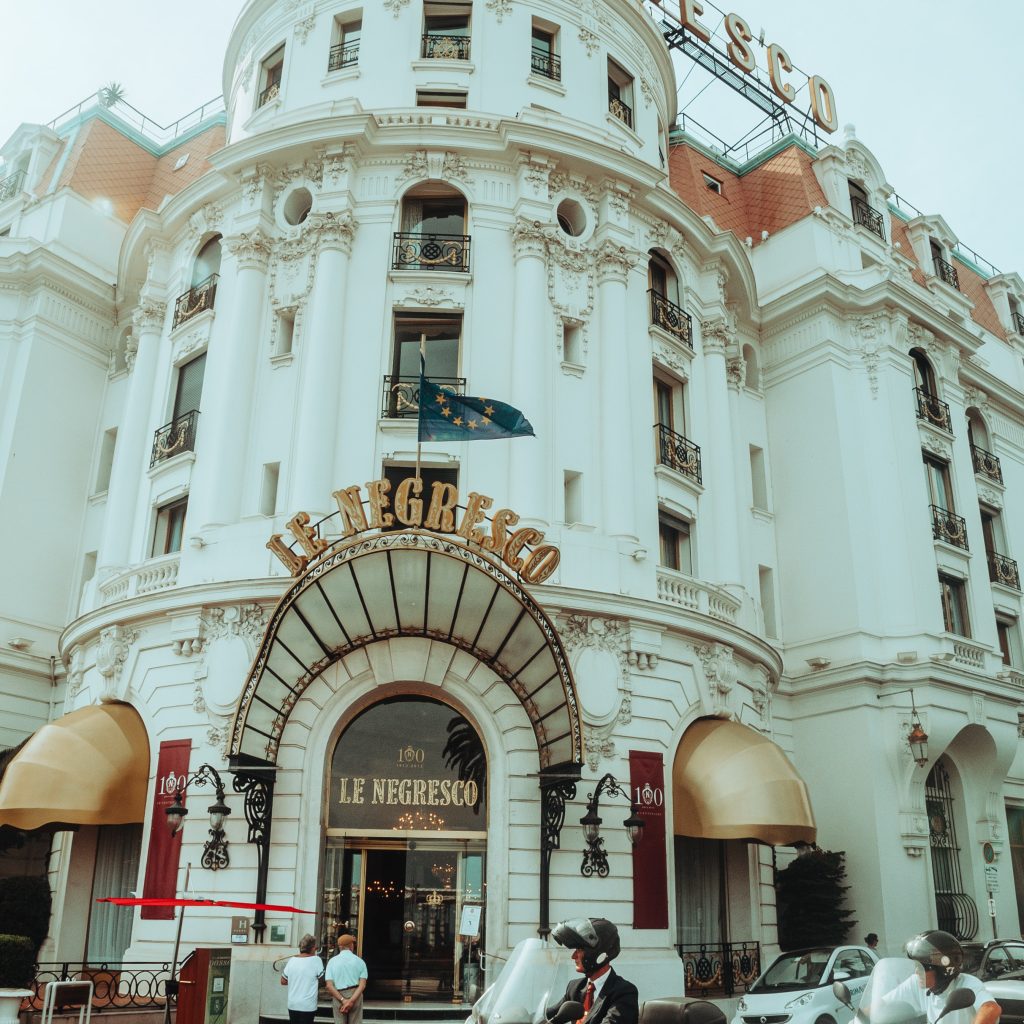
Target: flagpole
(419,404)
(172,986)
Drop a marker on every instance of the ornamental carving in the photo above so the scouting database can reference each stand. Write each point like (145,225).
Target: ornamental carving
(304,27)
(735,370)
(936,445)
(558,181)
(717,335)
(589,40)
(613,262)
(499,8)
(672,359)
(856,167)
(647,90)
(529,238)
(990,496)
(720,671)
(571,289)
(610,635)
(870,333)
(429,295)
(247,620)
(332,230)
(252,249)
(454,167)
(395,6)
(149,316)
(111,654)
(76,674)
(536,174)
(415,166)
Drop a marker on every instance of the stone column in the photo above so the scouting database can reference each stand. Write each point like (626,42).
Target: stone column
(318,424)
(717,456)
(134,441)
(530,373)
(226,414)
(614,412)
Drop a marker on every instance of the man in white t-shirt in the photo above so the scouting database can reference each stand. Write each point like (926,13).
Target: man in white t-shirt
(302,975)
(346,981)
(939,958)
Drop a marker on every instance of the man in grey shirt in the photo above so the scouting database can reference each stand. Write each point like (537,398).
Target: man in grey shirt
(346,980)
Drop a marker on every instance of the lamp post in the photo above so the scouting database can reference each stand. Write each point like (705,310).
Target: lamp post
(595,858)
(215,850)
(917,738)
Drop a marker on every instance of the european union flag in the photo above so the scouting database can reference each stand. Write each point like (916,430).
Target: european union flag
(445,416)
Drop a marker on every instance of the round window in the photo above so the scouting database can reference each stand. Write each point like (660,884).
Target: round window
(572,217)
(297,206)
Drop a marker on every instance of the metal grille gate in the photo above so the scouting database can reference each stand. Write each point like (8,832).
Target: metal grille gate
(957,913)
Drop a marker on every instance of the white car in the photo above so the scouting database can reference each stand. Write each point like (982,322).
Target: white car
(797,987)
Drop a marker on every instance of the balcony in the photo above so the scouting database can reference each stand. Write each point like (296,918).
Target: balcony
(716,970)
(11,185)
(197,299)
(440,47)
(155,574)
(933,411)
(678,453)
(868,218)
(946,272)
(704,598)
(547,64)
(417,250)
(271,92)
(949,527)
(986,464)
(670,317)
(1016,319)
(1003,570)
(344,55)
(178,436)
(623,111)
(402,394)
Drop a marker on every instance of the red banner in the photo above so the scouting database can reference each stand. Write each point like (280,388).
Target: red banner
(165,849)
(650,871)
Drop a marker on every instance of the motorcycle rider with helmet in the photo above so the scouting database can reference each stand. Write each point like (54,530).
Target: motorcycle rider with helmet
(607,998)
(939,958)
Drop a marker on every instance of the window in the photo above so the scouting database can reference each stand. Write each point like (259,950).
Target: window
(1016,317)
(954,605)
(345,50)
(268,489)
(766,583)
(106,460)
(664,404)
(425,98)
(862,211)
(992,531)
(924,375)
(620,93)
(758,478)
(446,31)
(544,59)
(207,261)
(572,488)
(711,184)
(661,278)
(271,71)
(189,389)
(854,963)
(674,543)
(572,343)
(440,337)
(433,230)
(944,270)
(168,528)
(1009,641)
(940,488)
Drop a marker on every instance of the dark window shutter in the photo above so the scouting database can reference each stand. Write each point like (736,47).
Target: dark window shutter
(190,386)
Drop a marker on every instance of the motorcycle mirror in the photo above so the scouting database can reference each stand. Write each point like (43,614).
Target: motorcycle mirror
(959,999)
(842,993)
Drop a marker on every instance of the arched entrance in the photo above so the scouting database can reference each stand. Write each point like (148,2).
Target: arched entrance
(405,845)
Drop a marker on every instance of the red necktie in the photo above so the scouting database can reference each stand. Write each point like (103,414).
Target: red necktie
(588,998)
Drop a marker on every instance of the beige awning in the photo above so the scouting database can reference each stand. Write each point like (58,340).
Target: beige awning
(730,782)
(90,767)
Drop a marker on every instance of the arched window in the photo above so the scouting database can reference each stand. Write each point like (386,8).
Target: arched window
(924,375)
(207,261)
(433,232)
(751,373)
(663,290)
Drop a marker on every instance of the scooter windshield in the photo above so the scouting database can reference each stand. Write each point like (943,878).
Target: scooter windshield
(890,996)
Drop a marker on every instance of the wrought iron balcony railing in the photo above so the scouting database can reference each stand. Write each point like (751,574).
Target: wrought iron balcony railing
(946,272)
(867,217)
(932,410)
(623,111)
(987,464)
(418,250)
(12,185)
(344,55)
(439,47)
(1003,570)
(1018,322)
(670,317)
(949,527)
(198,298)
(719,969)
(178,436)
(678,453)
(271,92)
(402,394)
(542,62)
(121,986)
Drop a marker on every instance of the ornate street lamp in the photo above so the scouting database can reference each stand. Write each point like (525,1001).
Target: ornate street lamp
(595,859)
(215,850)
(917,738)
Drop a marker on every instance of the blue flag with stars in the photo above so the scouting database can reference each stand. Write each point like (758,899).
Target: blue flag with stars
(445,416)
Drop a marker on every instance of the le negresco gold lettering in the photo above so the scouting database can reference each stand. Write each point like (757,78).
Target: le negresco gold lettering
(437,511)
(409,792)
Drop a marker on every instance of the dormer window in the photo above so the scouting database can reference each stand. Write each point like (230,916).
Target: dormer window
(620,93)
(446,31)
(863,214)
(711,184)
(944,270)
(1016,317)
(272,69)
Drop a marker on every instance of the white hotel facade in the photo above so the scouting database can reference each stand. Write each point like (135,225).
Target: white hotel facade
(784,475)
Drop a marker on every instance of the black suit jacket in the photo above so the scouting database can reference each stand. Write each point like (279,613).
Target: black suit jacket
(616,1003)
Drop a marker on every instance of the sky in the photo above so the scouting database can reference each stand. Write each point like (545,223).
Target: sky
(934,87)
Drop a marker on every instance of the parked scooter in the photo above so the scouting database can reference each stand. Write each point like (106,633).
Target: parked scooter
(881,1002)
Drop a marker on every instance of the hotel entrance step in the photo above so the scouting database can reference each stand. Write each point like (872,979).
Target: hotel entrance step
(390,1013)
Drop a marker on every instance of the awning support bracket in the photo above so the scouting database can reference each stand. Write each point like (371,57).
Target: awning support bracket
(258,786)
(557,788)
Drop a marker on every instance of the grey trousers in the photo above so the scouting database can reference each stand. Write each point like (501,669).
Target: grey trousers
(355,1015)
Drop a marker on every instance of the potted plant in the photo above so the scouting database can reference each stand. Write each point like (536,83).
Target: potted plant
(17,963)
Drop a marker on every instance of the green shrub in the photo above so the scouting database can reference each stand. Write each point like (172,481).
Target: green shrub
(17,961)
(811,898)
(25,908)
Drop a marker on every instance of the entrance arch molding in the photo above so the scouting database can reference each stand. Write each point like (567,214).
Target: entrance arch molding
(350,686)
